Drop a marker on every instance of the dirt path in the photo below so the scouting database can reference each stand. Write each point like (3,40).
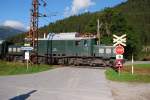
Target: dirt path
(130,91)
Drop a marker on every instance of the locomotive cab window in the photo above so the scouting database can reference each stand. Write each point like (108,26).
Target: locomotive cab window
(108,50)
(14,49)
(54,55)
(63,55)
(77,43)
(85,43)
(18,49)
(101,50)
(9,49)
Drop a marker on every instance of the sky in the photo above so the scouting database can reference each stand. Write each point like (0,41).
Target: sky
(16,13)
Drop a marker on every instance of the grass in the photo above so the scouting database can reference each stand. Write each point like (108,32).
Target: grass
(140,65)
(15,68)
(141,74)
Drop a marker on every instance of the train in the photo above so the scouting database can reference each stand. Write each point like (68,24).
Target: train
(64,48)
(10,51)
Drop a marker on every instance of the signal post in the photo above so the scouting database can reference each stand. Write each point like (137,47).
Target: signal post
(119,43)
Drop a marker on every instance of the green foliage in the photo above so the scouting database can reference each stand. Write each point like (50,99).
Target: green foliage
(18,39)
(133,45)
(106,40)
(137,14)
(14,68)
(72,24)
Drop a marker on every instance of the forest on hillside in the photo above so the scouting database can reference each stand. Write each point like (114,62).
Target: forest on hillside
(131,18)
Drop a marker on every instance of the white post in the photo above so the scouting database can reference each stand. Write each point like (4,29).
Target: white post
(98,32)
(27,56)
(44,35)
(132,65)
(27,64)
(119,71)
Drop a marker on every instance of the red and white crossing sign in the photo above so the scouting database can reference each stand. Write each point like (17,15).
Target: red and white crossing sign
(119,40)
(119,63)
(119,49)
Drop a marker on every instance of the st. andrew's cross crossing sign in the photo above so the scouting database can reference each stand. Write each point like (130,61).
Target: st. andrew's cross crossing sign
(119,40)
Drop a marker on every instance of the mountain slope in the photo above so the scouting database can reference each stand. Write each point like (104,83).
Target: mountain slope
(137,13)
(6,32)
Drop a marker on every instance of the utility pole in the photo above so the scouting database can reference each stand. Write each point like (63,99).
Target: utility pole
(132,65)
(98,31)
(34,23)
(33,34)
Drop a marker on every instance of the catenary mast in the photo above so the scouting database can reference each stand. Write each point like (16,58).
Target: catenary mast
(32,35)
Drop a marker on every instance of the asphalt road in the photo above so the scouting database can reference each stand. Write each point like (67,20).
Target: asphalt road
(58,84)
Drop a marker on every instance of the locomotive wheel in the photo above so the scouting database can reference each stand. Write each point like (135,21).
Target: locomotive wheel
(34,58)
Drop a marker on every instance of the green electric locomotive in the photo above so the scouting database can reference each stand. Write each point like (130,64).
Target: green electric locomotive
(73,49)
